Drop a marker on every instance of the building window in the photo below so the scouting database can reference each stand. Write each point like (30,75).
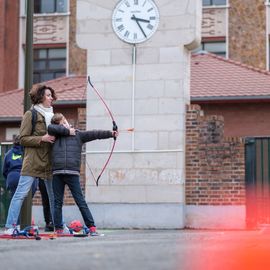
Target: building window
(49,63)
(214,2)
(50,6)
(216,47)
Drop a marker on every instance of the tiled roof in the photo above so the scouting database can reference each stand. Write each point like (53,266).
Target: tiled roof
(216,78)
(69,90)
(213,78)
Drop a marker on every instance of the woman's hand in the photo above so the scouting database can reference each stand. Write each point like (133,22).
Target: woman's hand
(66,124)
(48,138)
(72,131)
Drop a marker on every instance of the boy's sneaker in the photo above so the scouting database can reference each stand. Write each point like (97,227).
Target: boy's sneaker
(9,231)
(93,231)
(59,231)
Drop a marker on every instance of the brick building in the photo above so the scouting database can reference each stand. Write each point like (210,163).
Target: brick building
(238,92)
(55,51)
(9,38)
(238,30)
(233,94)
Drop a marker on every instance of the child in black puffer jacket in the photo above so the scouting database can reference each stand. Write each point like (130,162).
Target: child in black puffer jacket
(66,162)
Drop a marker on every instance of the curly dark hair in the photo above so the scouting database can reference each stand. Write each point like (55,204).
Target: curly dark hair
(37,93)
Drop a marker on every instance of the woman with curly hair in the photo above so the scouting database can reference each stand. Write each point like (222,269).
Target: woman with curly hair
(37,152)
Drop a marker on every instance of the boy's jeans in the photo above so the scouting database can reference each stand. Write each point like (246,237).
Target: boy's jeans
(73,182)
(22,190)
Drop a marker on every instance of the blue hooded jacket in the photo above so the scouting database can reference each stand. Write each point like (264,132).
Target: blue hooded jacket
(12,169)
(13,160)
(12,165)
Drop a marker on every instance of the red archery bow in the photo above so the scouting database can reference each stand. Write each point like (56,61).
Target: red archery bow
(115,128)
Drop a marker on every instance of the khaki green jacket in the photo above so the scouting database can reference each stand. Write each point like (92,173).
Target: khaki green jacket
(37,154)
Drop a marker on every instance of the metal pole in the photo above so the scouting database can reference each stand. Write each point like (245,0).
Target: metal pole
(26,212)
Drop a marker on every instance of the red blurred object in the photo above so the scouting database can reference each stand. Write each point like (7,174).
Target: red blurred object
(76,225)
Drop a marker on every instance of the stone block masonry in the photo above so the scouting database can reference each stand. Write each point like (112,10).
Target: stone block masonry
(146,87)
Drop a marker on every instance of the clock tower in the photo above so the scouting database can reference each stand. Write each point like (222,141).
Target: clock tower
(138,55)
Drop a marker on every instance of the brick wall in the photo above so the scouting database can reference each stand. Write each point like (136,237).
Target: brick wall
(77,56)
(9,45)
(68,199)
(247,32)
(242,119)
(215,172)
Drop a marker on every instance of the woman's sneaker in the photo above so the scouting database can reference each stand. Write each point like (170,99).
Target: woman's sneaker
(9,231)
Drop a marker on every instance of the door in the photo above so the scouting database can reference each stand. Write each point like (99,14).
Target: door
(257,178)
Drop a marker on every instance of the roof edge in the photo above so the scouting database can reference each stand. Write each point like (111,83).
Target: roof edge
(70,102)
(10,119)
(231,98)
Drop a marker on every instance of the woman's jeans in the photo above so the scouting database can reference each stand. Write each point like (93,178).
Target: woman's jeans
(13,181)
(22,190)
(73,182)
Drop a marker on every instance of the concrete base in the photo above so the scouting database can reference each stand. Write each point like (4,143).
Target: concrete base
(142,216)
(215,217)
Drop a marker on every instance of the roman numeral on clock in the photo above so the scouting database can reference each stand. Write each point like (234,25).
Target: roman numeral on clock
(126,34)
(121,27)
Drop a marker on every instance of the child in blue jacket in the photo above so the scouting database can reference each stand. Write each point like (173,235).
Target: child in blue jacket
(12,167)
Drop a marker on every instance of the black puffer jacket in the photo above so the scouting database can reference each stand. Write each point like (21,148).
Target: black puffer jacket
(66,154)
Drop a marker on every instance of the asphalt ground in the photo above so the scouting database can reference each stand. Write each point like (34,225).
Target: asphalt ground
(143,250)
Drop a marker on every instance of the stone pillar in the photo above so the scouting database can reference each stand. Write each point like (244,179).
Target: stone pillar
(143,185)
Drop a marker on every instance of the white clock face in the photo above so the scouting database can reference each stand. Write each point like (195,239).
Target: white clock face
(135,21)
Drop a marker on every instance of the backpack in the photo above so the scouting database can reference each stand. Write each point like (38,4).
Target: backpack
(34,119)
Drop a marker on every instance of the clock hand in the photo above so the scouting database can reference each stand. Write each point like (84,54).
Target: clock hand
(138,24)
(139,19)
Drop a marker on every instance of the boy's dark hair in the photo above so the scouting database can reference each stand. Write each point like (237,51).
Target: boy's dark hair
(57,118)
(37,93)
